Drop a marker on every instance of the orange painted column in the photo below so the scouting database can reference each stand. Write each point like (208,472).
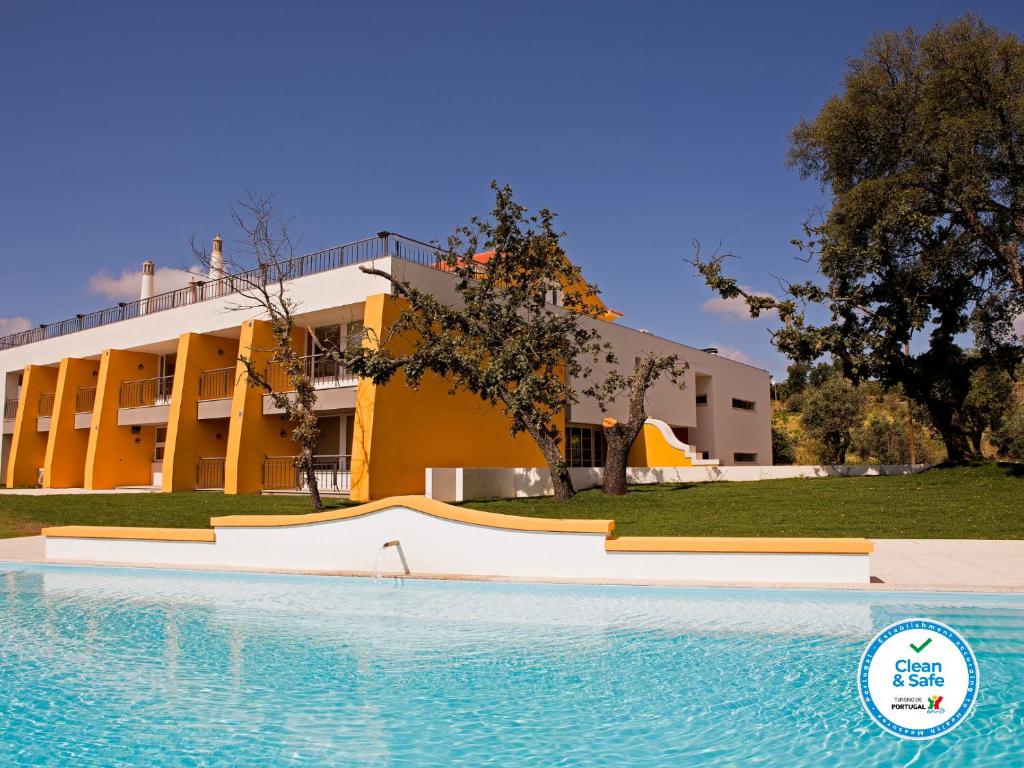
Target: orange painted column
(188,438)
(67,446)
(398,431)
(252,436)
(28,444)
(119,455)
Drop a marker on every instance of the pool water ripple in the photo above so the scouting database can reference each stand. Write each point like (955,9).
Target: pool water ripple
(107,667)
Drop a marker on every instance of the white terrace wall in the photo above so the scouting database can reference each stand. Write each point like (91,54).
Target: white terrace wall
(458,484)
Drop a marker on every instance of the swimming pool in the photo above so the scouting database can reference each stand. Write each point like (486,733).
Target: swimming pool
(104,666)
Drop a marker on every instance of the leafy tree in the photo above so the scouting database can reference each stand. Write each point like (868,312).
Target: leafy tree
(831,411)
(923,152)
(783,447)
(503,340)
(989,399)
(1009,436)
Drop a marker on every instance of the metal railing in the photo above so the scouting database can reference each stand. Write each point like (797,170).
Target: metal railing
(10,409)
(324,371)
(385,244)
(217,383)
(46,400)
(85,399)
(210,473)
(333,474)
(144,392)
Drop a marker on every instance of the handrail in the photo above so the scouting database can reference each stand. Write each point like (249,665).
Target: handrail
(324,372)
(10,409)
(145,392)
(85,399)
(333,473)
(385,244)
(46,400)
(210,473)
(217,383)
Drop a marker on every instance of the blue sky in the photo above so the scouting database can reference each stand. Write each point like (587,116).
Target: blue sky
(128,127)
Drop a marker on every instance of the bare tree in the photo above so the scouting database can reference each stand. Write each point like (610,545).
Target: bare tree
(619,436)
(266,242)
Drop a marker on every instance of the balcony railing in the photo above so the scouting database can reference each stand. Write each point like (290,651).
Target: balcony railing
(210,474)
(145,392)
(333,474)
(46,404)
(217,383)
(324,371)
(384,245)
(10,409)
(85,399)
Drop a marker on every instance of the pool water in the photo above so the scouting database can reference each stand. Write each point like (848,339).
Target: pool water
(108,667)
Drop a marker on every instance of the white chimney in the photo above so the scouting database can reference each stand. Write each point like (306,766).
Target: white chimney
(217,259)
(147,289)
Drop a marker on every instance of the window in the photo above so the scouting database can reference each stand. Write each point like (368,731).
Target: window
(744,458)
(743,405)
(161,443)
(585,446)
(702,399)
(705,455)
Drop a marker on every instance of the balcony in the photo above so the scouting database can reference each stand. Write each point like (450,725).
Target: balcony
(216,387)
(85,401)
(335,384)
(210,474)
(384,245)
(144,402)
(10,414)
(45,412)
(333,475)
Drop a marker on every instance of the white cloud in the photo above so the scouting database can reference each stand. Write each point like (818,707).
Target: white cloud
(9,325)
(734,354)
(125,287)
(734,308)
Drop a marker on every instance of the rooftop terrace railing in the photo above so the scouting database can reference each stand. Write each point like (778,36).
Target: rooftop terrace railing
(385,244)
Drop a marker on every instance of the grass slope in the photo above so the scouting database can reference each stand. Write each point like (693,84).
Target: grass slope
(977,502)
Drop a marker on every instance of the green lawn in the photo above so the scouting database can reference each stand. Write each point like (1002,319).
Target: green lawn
(978,502)
(25,515)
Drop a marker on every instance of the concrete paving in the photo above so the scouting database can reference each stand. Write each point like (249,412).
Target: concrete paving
(939,565)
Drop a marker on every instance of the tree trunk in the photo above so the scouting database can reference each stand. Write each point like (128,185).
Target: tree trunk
(618,439)
(614,481)
(561,481)
(947,421)
(305,466)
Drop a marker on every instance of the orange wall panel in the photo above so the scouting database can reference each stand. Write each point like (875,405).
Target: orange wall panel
(119,455)
(28,444)
(67,446)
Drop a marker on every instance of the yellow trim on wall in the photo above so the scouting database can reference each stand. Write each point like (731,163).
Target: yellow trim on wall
(426,506)
(116,455)
(188,438)
(739,545)
(251,435)
(142,534)
(651,449)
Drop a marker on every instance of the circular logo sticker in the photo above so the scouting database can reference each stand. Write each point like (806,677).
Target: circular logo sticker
(918,679)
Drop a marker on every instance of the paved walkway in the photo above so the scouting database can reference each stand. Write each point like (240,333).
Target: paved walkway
(940,565)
